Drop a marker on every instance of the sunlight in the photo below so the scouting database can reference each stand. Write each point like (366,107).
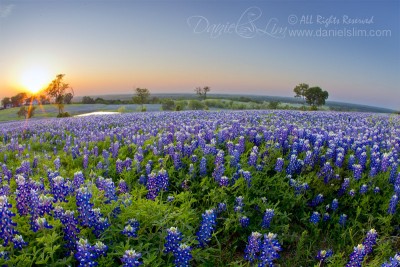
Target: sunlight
(35,79)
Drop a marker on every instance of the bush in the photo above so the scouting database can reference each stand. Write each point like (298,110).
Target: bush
(63,115)
(196,105)
(168,104)
(122,109)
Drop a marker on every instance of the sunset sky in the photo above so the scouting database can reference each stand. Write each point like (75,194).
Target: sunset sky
(110,47)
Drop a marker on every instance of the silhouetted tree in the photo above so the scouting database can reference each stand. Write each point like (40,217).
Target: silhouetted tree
(202,92)
(26,112)
(68,98)
(141,97)
(57,90)
(315,96)
(18,99)
(300,90)
(6,101)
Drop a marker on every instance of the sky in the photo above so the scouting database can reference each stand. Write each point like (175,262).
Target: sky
(349,48)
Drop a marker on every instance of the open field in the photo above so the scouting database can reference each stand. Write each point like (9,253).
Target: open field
(201,188)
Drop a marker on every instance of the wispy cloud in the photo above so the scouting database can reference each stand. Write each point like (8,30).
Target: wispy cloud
(5,10)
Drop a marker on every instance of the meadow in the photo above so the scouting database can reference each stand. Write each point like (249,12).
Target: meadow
(201,188)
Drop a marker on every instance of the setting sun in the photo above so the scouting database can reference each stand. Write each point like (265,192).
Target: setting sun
(35,79)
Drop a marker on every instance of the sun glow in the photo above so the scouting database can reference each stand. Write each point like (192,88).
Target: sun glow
(35,79)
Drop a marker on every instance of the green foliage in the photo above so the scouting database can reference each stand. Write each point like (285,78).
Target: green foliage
(26,112)
(63,115)
(168,104)
(142,96)
(196,105)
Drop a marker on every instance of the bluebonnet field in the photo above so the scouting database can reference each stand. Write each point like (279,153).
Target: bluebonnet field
(201,188)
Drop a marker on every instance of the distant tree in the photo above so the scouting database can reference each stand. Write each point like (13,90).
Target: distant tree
(18,99)
(43,99)
(100,100)
(300,90)
(274,104)
(68,98)
(202,92)
(57,90)
(315,96)
(26,112)
(6,101)
(168,104)
(141,97)
(87,100)
(196,105)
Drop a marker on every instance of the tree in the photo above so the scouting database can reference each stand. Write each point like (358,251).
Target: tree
(141,97)
(18,99)
(87,100)
(315,96)
(300,90)
(26,112)
(57,90)
(202,92)
(68,98)
(43,99)
(6,101)
(196,105)
(274,104)
(168,104)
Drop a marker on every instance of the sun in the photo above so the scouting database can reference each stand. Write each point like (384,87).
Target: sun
(35,79)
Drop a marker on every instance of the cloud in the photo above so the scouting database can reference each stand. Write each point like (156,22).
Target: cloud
(5,10)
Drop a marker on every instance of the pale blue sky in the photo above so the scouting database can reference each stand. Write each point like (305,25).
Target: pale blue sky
(107,47)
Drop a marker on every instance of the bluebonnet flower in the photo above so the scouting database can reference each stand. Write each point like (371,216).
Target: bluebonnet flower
(86,215)
(99,224)
(363,189)
(393,204)
(7,226)
(59,189)
(207,226)
(86,254)
(22,195)
(203,166)
(163,179)
(268,215)
(170,198)
(315,217)
(108,186)
(131,228)
(317,200)
(122,187)
(42,223)
(253,159)
(357,256)
(221,207)
(244,221)
(370,240)
(352,192)
(57,163)
(239,204)
(58,212)
(357,171)
(142,179)
(323,255)
(152,186)
(247,177)
(85,162)
(326,217)
(269,250)
(335,204)
(393,261)
(183,255)
(224,181)
(34,209)
(79,180)
(173,238)
(343,220)
(377,190)
(19,242)
(119,166)
(253,247)
(70,229)
(131,258)
(235,158)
